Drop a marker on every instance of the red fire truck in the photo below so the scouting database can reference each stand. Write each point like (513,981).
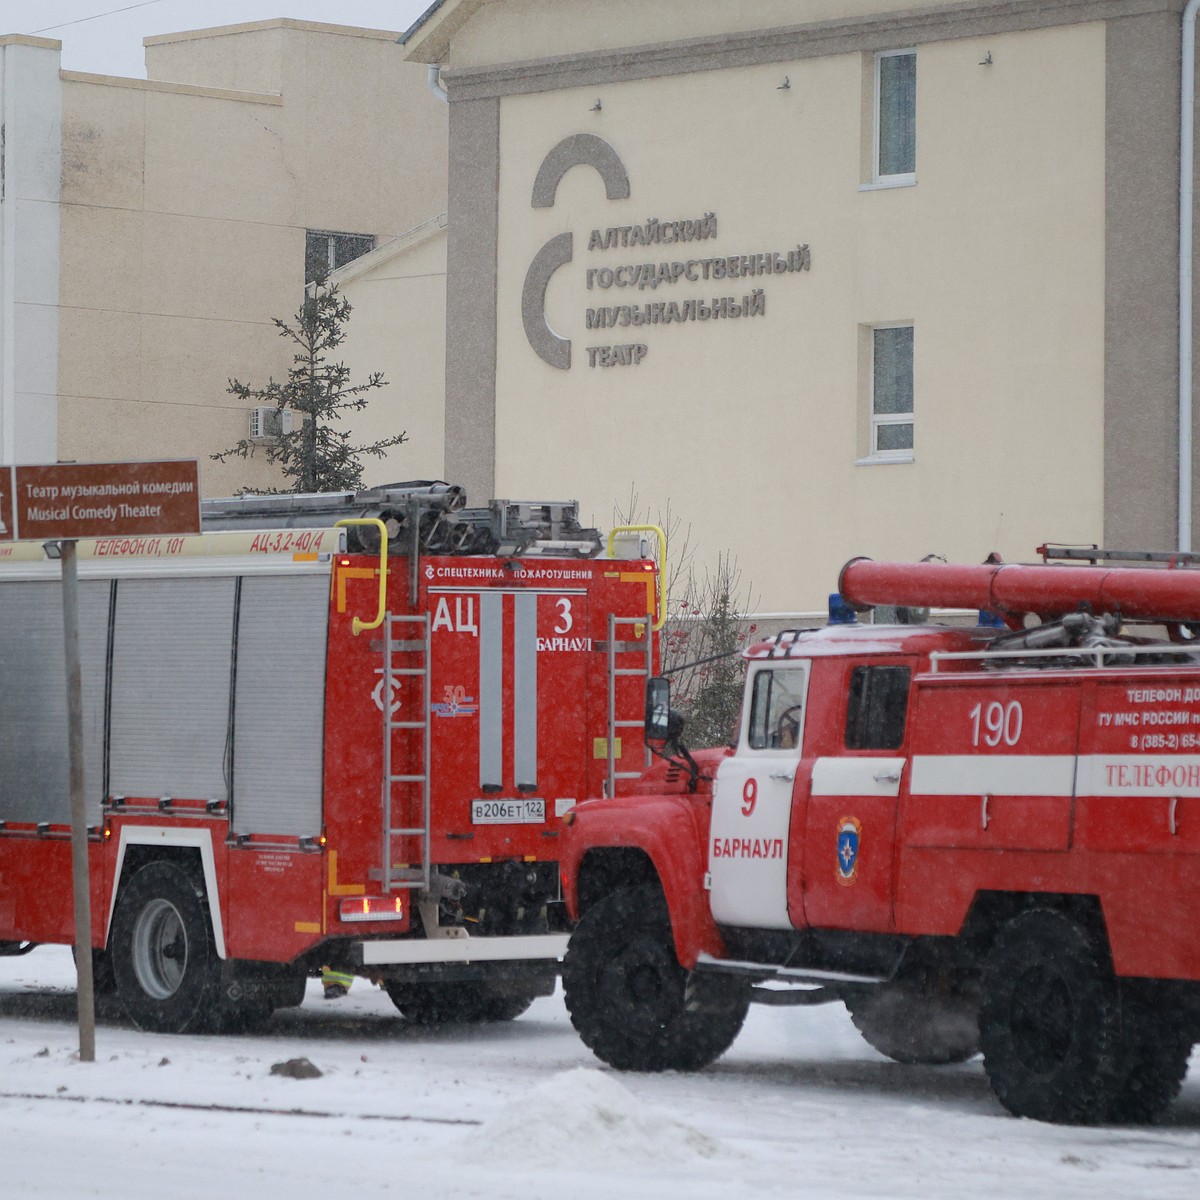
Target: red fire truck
(329,730)
(977,838)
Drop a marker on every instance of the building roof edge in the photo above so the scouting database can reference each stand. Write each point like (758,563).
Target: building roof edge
(190,35)
(390,249)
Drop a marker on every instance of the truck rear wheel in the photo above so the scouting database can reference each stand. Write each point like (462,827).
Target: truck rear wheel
(1156,1047)
(1050,1021)
(443,1003)
(910,1021)
(163,955)
(240,1014)
(632,1003)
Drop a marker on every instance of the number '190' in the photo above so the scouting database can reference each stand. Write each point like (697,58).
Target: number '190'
(994,723)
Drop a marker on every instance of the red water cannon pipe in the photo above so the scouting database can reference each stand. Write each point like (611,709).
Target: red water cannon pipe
(1013,589)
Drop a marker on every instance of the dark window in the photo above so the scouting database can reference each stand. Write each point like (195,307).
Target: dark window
(896,92)
(328,251)
(877,707)
(892,391)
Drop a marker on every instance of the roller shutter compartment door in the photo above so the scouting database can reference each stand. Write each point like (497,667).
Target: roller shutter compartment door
(279,711)
(171,679)
(34,767)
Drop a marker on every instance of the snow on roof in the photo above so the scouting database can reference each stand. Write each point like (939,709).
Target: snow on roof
(390,249)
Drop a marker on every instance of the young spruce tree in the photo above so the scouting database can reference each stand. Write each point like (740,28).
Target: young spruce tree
(315,456)
(705,627)
(705,631)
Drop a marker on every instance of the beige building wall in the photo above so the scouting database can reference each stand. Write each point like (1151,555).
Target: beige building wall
(30,183)
(397,326)
(755,429)
(184,214)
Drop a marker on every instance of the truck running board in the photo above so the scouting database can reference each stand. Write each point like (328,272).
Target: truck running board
(821,986)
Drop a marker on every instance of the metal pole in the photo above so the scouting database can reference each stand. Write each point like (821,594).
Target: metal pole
(79,836)
(1187,157)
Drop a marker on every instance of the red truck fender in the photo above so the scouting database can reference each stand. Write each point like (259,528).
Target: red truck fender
(649,839)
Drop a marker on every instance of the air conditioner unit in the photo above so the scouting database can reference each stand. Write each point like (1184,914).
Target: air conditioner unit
(268,424)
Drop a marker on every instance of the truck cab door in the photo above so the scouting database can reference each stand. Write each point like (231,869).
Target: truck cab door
(753,800)
(850,824)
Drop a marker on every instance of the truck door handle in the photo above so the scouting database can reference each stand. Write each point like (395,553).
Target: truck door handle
(786,776)
(984,815)
(888,777)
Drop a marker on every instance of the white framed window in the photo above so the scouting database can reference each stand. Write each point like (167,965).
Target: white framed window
(894,157)
(891,393)
(776,708)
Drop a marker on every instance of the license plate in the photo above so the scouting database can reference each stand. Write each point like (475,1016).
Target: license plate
(508,812)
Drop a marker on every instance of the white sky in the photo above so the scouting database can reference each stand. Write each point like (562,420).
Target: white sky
(111,42)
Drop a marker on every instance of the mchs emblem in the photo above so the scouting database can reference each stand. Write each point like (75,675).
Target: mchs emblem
(849,836)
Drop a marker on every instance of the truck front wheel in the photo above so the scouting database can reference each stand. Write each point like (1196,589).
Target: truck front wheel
(1050,1021)
(163,956)
(632,1003)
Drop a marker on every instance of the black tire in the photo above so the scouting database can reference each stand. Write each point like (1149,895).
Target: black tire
(1156,1047)
(104,983)
(914,1022)
(632,1003)
(498,1006)
(239,1018)
(163,955)
(461,1003)
(1050,1020)
(238,1010)
(288,991)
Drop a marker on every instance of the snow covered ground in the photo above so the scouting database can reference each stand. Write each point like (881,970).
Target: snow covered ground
(800,1107)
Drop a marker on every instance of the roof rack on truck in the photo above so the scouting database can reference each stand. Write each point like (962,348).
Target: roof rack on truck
(1054,551)
(429,516)
(420,517)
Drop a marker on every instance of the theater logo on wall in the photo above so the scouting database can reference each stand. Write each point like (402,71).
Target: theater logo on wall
(639,277)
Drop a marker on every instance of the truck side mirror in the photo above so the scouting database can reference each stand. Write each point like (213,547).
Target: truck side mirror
(658,709)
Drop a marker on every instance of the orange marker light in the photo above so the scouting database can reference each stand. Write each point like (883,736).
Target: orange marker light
(372,908)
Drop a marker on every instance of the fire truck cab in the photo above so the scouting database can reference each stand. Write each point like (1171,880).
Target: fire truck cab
(976,837)
(337,730)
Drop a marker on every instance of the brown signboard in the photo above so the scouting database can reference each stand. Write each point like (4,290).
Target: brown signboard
(90,500)
(6,504)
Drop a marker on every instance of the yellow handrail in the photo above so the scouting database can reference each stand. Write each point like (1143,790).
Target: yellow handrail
(660,592)
(357,625)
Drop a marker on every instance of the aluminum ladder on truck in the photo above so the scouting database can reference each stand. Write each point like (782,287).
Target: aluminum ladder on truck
(415,775)
(642,643)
